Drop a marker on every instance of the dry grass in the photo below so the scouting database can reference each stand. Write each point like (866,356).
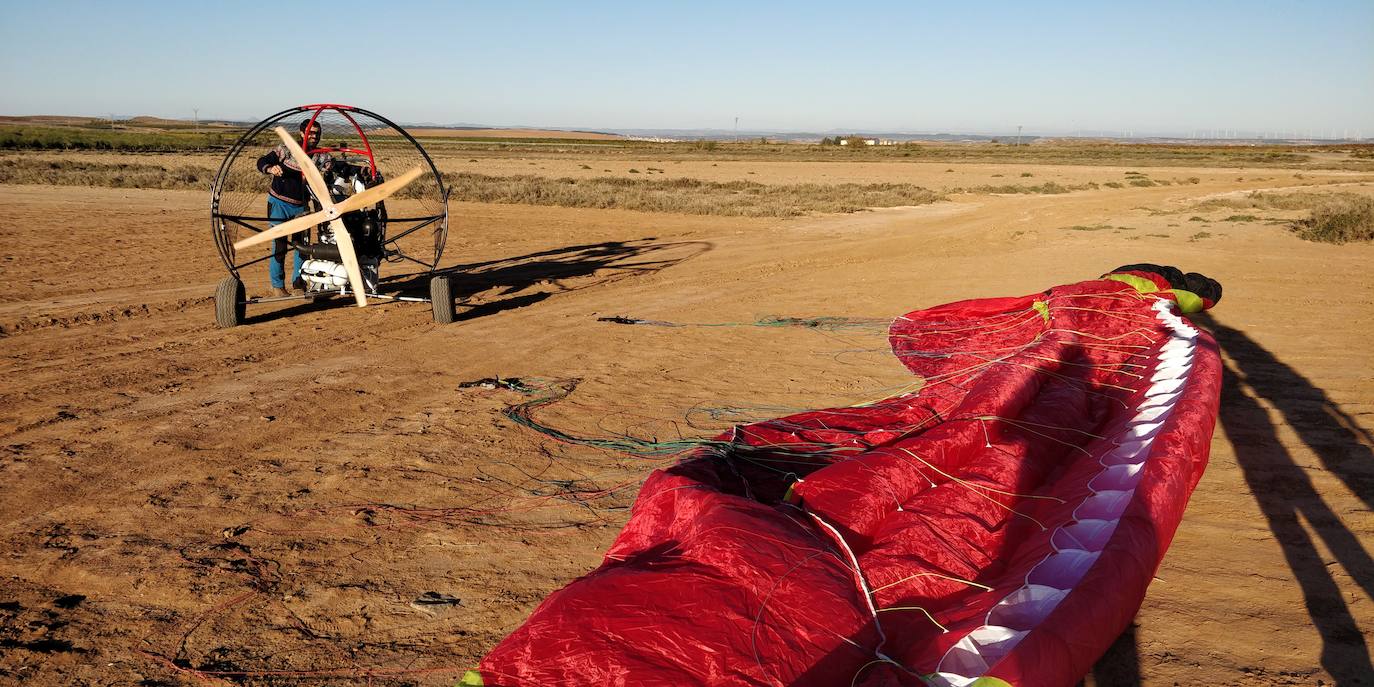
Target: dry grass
(1097,227)
(1339,219)
(687,196)
(22,170)
(96,135)
(79,133)
(1049,187)
(1046,153)
(1259,200)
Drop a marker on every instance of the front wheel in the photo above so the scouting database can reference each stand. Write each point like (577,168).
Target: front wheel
(441,298)
(229,302)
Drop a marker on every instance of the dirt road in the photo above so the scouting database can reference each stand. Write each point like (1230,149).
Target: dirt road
(319,494)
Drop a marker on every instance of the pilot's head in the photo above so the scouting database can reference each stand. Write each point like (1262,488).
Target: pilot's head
(310,139)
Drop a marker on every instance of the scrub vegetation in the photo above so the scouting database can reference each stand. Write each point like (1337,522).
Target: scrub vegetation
(177,136)
(1048,187)
(101,137)
(1261,200)
(21,170)
(1339,219)
(687,196)
(1336,217)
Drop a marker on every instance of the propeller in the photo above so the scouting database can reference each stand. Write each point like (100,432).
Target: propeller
(331,212)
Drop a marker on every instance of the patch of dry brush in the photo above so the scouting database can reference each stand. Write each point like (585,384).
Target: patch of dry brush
(1339,219)
(686,196)
(21,170)
(1334,217)
(1049,187)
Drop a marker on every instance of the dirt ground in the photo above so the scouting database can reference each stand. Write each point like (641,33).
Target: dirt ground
(318,496)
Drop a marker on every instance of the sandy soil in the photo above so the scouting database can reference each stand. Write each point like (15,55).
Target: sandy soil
(318,494)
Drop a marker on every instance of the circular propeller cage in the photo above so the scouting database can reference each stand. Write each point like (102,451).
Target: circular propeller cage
(415,223)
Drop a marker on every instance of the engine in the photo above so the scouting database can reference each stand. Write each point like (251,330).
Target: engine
(323,269)
(325,275)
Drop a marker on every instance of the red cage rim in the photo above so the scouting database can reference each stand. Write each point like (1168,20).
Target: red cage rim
(343,110)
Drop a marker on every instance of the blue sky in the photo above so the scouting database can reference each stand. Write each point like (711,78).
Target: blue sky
(898,66)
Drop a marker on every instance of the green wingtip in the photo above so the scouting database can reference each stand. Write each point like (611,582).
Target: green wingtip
(471,678)
(990,682)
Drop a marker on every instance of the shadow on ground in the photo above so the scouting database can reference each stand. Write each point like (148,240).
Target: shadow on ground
(1120,666)
(487,288)
(1256,386)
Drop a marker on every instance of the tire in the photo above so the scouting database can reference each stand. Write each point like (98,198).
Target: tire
(441,298)
(229,302)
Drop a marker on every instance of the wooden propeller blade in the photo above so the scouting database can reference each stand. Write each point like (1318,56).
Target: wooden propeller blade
(308,169)
(347,254)
(284,229)
(370,196)
(349,257)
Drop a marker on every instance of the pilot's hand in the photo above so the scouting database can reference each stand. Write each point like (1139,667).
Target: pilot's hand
(274,170)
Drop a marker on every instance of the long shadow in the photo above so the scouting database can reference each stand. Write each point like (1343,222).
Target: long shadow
(298,308)
(1120,666)
(523,280)
(1290,502)
(526,279)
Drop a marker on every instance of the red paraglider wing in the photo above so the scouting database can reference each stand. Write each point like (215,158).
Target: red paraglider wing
(1000,524)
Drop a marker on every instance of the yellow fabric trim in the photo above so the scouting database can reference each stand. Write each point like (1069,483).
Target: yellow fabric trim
(1141,284)
(1043,308)
(989,682)
(471,678)
(1188,301)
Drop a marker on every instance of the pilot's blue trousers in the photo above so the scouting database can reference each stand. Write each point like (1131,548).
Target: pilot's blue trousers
(279,211)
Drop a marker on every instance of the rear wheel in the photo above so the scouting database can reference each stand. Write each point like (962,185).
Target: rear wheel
(229,302)
(441,298)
